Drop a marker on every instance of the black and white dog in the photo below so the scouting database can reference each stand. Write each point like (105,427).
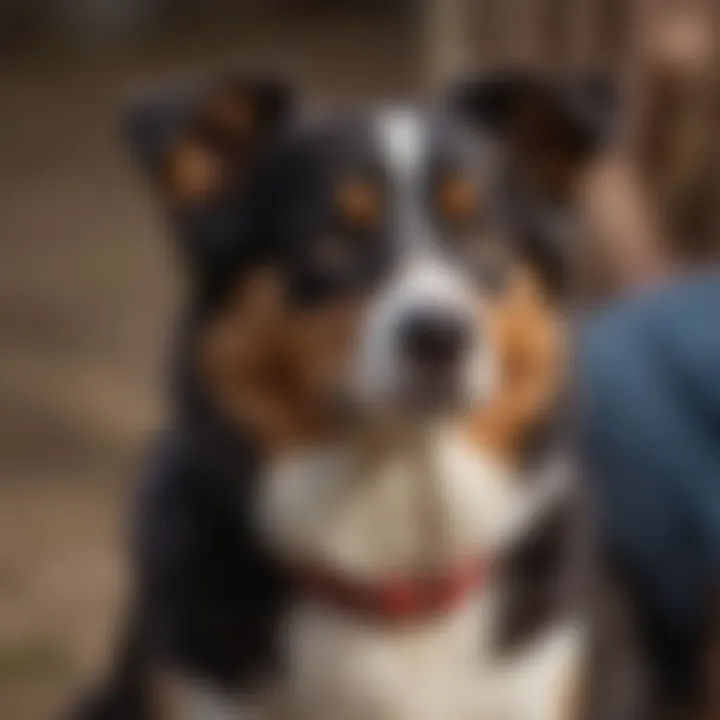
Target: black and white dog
(346,521)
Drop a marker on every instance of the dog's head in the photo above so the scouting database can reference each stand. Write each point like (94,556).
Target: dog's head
(368,268)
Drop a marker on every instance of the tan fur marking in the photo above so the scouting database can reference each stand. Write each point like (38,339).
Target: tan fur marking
(269,366)
(193,172)
(238,358)
(529,335)
(213,149)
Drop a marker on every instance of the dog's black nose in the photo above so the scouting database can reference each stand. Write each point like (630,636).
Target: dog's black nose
(435,336)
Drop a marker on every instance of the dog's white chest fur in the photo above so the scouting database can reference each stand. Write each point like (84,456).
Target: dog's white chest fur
(409,511)
(342,667)
(406,511)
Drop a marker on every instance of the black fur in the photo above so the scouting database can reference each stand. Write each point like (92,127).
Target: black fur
(207,597)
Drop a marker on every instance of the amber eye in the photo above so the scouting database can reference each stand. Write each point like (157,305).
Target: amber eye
(457,199)
(193,172)
(358,202)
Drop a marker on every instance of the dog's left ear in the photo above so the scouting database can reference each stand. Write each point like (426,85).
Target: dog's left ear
(553,126)
(193,140)
(201,146)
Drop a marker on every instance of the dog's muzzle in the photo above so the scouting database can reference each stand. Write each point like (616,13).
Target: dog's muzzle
(422,350)
(433,346)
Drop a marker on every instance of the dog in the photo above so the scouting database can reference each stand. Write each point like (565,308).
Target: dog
(339,521)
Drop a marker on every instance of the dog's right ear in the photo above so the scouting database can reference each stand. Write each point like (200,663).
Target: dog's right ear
(569,117)
(551,129)
(196,142)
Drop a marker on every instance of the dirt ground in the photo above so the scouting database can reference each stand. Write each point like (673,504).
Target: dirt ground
(87,291)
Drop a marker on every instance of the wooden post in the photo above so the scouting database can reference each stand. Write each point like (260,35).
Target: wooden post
(445,25)
(524,20)
(583,29)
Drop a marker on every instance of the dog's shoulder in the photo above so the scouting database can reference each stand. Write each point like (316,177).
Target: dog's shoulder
(175,502)
(209,598)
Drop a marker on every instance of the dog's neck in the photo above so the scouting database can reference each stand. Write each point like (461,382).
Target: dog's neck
(410,500)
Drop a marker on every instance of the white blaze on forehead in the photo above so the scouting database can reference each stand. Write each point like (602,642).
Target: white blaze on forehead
(403,139)
(428,282)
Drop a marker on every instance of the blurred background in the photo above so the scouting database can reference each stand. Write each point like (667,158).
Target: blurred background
(87,280)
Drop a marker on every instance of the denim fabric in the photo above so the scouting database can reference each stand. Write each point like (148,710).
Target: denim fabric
(649,372)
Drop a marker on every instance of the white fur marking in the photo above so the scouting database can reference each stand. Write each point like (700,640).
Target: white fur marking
(362,520)
(403,139)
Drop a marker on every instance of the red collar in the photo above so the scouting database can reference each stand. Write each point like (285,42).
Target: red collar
(396,599)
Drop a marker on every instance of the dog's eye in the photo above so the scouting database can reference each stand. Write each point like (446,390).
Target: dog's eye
(458,200)
(359,203)
(193,172)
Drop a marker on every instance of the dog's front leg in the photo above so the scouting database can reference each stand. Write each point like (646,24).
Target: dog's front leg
(543,681)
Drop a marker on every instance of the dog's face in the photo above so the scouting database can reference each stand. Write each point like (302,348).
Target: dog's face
(383,234)
(391,269)
(383,275)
